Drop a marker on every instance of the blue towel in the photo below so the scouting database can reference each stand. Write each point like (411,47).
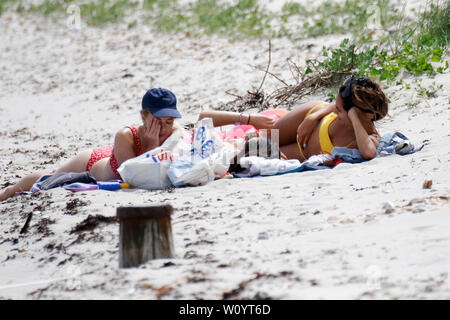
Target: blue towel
(390,143)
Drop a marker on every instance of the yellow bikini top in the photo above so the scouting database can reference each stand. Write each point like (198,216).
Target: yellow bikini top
(324,137)
(325,142)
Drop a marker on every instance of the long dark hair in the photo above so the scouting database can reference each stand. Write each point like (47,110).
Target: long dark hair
(365,95)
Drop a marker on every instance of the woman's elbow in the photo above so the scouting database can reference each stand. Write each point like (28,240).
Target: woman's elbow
(369,154)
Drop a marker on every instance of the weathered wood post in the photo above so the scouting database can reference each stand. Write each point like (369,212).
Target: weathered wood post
(145,233)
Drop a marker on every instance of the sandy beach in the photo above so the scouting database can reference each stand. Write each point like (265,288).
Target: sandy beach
(311,235)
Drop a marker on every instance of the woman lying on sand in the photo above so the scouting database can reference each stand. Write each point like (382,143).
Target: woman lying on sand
(313,128)
(158,114)
(316,127)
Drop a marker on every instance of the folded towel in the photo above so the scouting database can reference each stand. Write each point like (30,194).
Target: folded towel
(60,179)
(259,166)
(390,143)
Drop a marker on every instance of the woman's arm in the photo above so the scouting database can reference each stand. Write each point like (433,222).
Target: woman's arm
(367,144)
(306,127)
(124,146)
(223,118)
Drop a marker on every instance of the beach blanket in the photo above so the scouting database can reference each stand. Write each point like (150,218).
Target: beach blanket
(185,172)
(259,166)
(390,143)
(75,181)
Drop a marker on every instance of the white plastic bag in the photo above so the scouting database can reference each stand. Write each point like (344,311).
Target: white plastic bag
(182,173)
(208,158)
(206,140)
(148,171)
(178,170)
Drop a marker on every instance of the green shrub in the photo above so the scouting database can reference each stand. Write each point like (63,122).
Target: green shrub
(416,49)
(103,11)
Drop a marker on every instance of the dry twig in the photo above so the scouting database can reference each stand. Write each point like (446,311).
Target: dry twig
(287,95)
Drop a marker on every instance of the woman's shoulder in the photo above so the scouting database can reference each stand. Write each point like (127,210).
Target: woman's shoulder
(127,133)
(129,129)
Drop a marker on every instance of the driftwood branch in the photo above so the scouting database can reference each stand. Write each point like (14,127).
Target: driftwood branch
(267,69)
(273,75)
(289,94)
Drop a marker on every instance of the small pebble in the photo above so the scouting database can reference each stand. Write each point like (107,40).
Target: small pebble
(263,236)
(420,207)
(388,207)
(427,184)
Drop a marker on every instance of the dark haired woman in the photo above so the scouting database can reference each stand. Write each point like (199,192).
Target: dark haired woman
(316,127)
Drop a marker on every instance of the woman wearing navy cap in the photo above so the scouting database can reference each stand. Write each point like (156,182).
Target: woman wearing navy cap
(159,109)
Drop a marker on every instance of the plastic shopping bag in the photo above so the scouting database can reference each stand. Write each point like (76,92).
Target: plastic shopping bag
(149,170)
(208,158)
(206,140)
(183,172)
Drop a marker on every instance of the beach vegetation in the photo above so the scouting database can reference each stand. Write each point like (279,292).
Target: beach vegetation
(234,19)
(379,41)
(244,18)
(335,17)
(412,48)
(418,48)
(430,91)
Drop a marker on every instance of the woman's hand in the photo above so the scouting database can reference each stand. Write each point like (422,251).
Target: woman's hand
(150,134)
(305,130)
(367,145)
(260,121)
(306,127)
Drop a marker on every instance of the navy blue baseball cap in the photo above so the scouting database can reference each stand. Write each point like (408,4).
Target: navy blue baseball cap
(161,103)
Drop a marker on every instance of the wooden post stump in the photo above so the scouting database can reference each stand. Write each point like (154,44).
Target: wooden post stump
(145,233)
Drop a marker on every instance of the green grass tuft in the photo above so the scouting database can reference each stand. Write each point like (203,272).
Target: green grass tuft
(416,47)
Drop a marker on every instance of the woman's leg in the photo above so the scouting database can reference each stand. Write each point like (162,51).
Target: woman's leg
(24,184)
(77,164)
(288,124)
(100,170)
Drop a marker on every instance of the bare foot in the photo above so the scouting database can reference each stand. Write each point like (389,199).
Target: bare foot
(7,193)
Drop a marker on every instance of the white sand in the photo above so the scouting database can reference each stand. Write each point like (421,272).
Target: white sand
(311,235)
